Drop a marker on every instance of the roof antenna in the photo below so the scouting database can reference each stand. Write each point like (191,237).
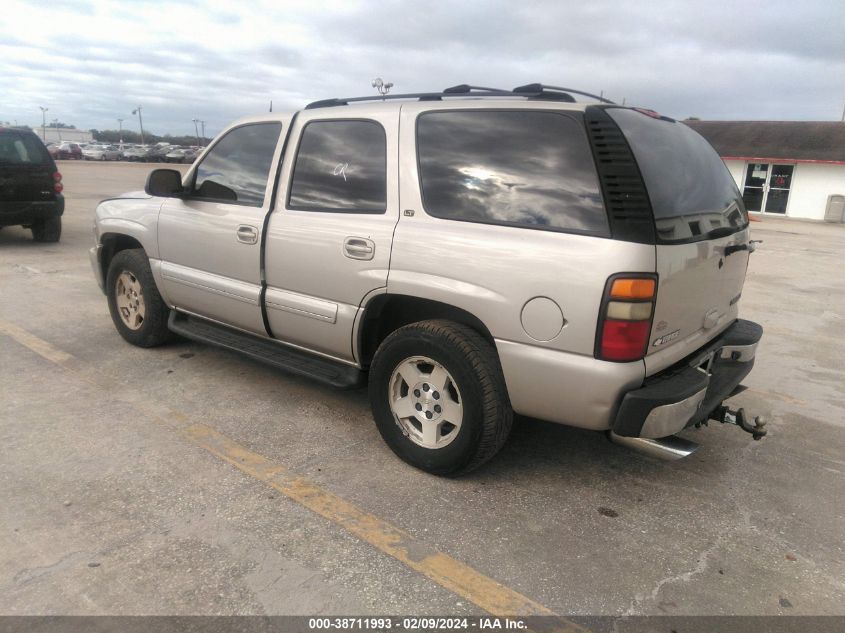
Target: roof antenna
(382,87)
(271,105)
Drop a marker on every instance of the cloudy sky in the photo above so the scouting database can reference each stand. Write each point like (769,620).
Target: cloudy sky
(92,62)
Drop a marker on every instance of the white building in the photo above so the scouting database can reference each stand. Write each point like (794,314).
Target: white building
(782,167)
(59,134)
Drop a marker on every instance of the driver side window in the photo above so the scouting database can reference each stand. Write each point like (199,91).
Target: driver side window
(238,166)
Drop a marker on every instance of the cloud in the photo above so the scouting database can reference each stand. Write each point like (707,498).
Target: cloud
(92,62)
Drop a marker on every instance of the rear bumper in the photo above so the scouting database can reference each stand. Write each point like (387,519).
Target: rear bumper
(25,212)
(689,391)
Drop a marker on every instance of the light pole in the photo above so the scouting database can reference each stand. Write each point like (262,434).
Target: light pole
(202,123)
(120,124)
(196,130)
(140,122)
(43,123)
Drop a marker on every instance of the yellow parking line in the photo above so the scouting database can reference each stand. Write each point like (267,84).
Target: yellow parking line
(441,568)
(37,345)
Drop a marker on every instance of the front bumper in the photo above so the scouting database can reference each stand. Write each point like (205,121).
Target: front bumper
(688,392)
(95,254)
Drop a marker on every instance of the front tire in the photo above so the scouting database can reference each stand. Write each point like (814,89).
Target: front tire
(137,309)
(47,229)
(439,397)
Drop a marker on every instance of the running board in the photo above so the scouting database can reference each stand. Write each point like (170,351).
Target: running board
(667,448)
(267,351)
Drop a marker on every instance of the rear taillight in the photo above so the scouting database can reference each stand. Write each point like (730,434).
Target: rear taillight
(57,182)
(627,309)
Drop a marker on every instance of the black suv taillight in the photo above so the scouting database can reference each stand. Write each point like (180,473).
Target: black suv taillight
(625,317)
(58,187)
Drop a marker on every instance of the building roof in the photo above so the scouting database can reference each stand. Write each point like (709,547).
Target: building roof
(799,141)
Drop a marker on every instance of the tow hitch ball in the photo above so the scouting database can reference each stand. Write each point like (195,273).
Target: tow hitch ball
(726,416)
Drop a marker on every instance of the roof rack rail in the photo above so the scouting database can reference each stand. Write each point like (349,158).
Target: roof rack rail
(542,88)
(530,91)
(467,89)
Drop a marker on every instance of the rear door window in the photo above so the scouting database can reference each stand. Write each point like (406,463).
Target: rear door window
(690,188)
(341,167)
(22,149)
(525,168)
(237,168)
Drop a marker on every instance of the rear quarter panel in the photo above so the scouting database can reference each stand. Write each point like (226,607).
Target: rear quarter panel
(494,271)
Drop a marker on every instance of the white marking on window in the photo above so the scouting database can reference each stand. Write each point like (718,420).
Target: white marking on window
(340,170)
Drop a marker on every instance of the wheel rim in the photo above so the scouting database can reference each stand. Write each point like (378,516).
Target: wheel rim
(426,402)
(130,300)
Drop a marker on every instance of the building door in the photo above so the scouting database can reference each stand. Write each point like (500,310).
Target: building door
(767,187)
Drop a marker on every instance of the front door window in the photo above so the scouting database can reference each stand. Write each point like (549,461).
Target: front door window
(767,187)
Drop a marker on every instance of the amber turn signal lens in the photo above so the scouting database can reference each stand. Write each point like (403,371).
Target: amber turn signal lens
(632,289)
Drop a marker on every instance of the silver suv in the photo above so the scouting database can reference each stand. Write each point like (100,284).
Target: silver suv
(471,254)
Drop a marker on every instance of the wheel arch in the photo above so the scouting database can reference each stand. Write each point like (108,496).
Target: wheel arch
(112,244)
(387,312)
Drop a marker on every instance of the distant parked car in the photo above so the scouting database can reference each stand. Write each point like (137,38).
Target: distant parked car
(181,155)
(101,152)
(68,150)
(137,153)
(157,154)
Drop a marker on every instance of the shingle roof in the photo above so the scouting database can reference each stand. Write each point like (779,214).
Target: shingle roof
(796,140)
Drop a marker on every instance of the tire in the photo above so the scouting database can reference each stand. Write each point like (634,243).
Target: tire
(474,384)
(47,229)
(138,299)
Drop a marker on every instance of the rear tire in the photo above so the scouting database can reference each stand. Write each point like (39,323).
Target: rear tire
(444,376)
(47,229)
(137,309)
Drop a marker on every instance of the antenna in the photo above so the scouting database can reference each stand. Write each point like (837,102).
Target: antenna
(382,87)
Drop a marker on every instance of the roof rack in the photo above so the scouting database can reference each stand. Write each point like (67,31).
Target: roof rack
(529,91)
(543,89)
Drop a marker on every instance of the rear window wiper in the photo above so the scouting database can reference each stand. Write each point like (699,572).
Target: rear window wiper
(751,246)
(722,231)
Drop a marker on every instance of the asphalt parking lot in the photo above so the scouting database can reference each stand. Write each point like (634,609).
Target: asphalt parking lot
(189,480)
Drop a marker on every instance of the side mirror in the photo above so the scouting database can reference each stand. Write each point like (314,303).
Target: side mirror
(166,183)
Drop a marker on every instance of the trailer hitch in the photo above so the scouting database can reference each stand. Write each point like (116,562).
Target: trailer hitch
(725,415)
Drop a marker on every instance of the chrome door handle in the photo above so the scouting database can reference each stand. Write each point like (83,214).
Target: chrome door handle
(359,248)
(247,234)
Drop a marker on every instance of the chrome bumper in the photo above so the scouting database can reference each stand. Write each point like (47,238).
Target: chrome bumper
(671,418)
(688,393)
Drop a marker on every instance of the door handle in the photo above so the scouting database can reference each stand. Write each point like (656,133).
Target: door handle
(359,248)
(247,234)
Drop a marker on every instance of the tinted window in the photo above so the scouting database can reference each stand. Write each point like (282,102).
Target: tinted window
(690,188)
(238,166)
(521,168)
(22,149)
(341,166)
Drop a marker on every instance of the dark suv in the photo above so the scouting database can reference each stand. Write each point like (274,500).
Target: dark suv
(30,186)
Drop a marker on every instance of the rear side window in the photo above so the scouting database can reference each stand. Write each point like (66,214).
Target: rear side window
(22,149)
(515,167)
(341,167)
(690,188)
(236,169)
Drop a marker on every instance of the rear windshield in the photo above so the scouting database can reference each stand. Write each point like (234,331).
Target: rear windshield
(22,149)
(692,193)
